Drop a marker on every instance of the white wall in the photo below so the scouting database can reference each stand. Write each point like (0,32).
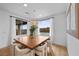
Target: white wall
(60,29)
(4,28)
(72,45)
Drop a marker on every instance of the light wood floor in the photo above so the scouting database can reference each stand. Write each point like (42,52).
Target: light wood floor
(57,50)
(5,51)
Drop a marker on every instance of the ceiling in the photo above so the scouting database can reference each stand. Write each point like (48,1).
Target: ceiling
(34,10)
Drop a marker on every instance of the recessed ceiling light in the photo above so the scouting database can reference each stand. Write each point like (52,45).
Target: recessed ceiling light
(25,5)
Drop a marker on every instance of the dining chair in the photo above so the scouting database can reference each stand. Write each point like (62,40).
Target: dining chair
(23,51)
(12,48)
(41,50)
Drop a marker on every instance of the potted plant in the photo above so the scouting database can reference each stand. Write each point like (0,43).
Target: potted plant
(32,31)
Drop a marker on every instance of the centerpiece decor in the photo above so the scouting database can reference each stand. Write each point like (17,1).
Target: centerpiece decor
(32,31)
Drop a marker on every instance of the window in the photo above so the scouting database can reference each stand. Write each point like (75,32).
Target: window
(73,19)
(44,27)
(71,26)
(21,27)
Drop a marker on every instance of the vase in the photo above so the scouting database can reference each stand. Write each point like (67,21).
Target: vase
(31,37)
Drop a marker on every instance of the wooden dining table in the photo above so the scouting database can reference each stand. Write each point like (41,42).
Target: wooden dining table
(32,43)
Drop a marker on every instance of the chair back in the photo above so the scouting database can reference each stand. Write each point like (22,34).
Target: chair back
(19,51)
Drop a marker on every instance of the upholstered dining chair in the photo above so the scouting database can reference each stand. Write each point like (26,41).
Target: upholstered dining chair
(41,50)
(12,48)
(23,51)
